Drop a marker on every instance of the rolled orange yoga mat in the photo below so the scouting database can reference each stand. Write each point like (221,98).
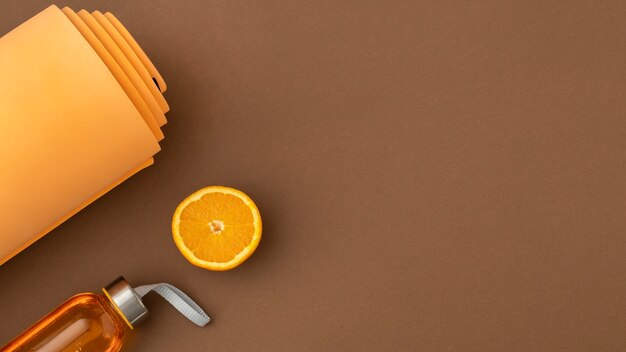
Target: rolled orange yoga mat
(81,110)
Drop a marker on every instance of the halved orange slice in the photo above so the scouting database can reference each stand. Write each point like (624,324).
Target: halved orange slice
(217,228)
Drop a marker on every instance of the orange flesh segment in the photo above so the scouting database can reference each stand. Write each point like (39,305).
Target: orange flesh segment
(217,228)
(203,240)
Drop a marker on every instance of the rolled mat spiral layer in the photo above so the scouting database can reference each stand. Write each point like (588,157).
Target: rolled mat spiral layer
(81,110)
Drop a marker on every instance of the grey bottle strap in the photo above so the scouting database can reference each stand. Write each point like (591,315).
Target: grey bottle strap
(177,298)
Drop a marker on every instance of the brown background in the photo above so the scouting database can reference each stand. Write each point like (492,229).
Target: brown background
(432,176)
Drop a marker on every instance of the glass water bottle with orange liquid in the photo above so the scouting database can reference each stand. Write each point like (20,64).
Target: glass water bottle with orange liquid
(90,322)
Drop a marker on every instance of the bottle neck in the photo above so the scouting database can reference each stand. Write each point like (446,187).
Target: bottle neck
(126,302)
(113,312)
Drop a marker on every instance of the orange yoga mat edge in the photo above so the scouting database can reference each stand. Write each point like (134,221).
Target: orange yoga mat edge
(70,131)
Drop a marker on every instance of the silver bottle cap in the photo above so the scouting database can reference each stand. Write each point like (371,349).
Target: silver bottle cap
(126,301)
